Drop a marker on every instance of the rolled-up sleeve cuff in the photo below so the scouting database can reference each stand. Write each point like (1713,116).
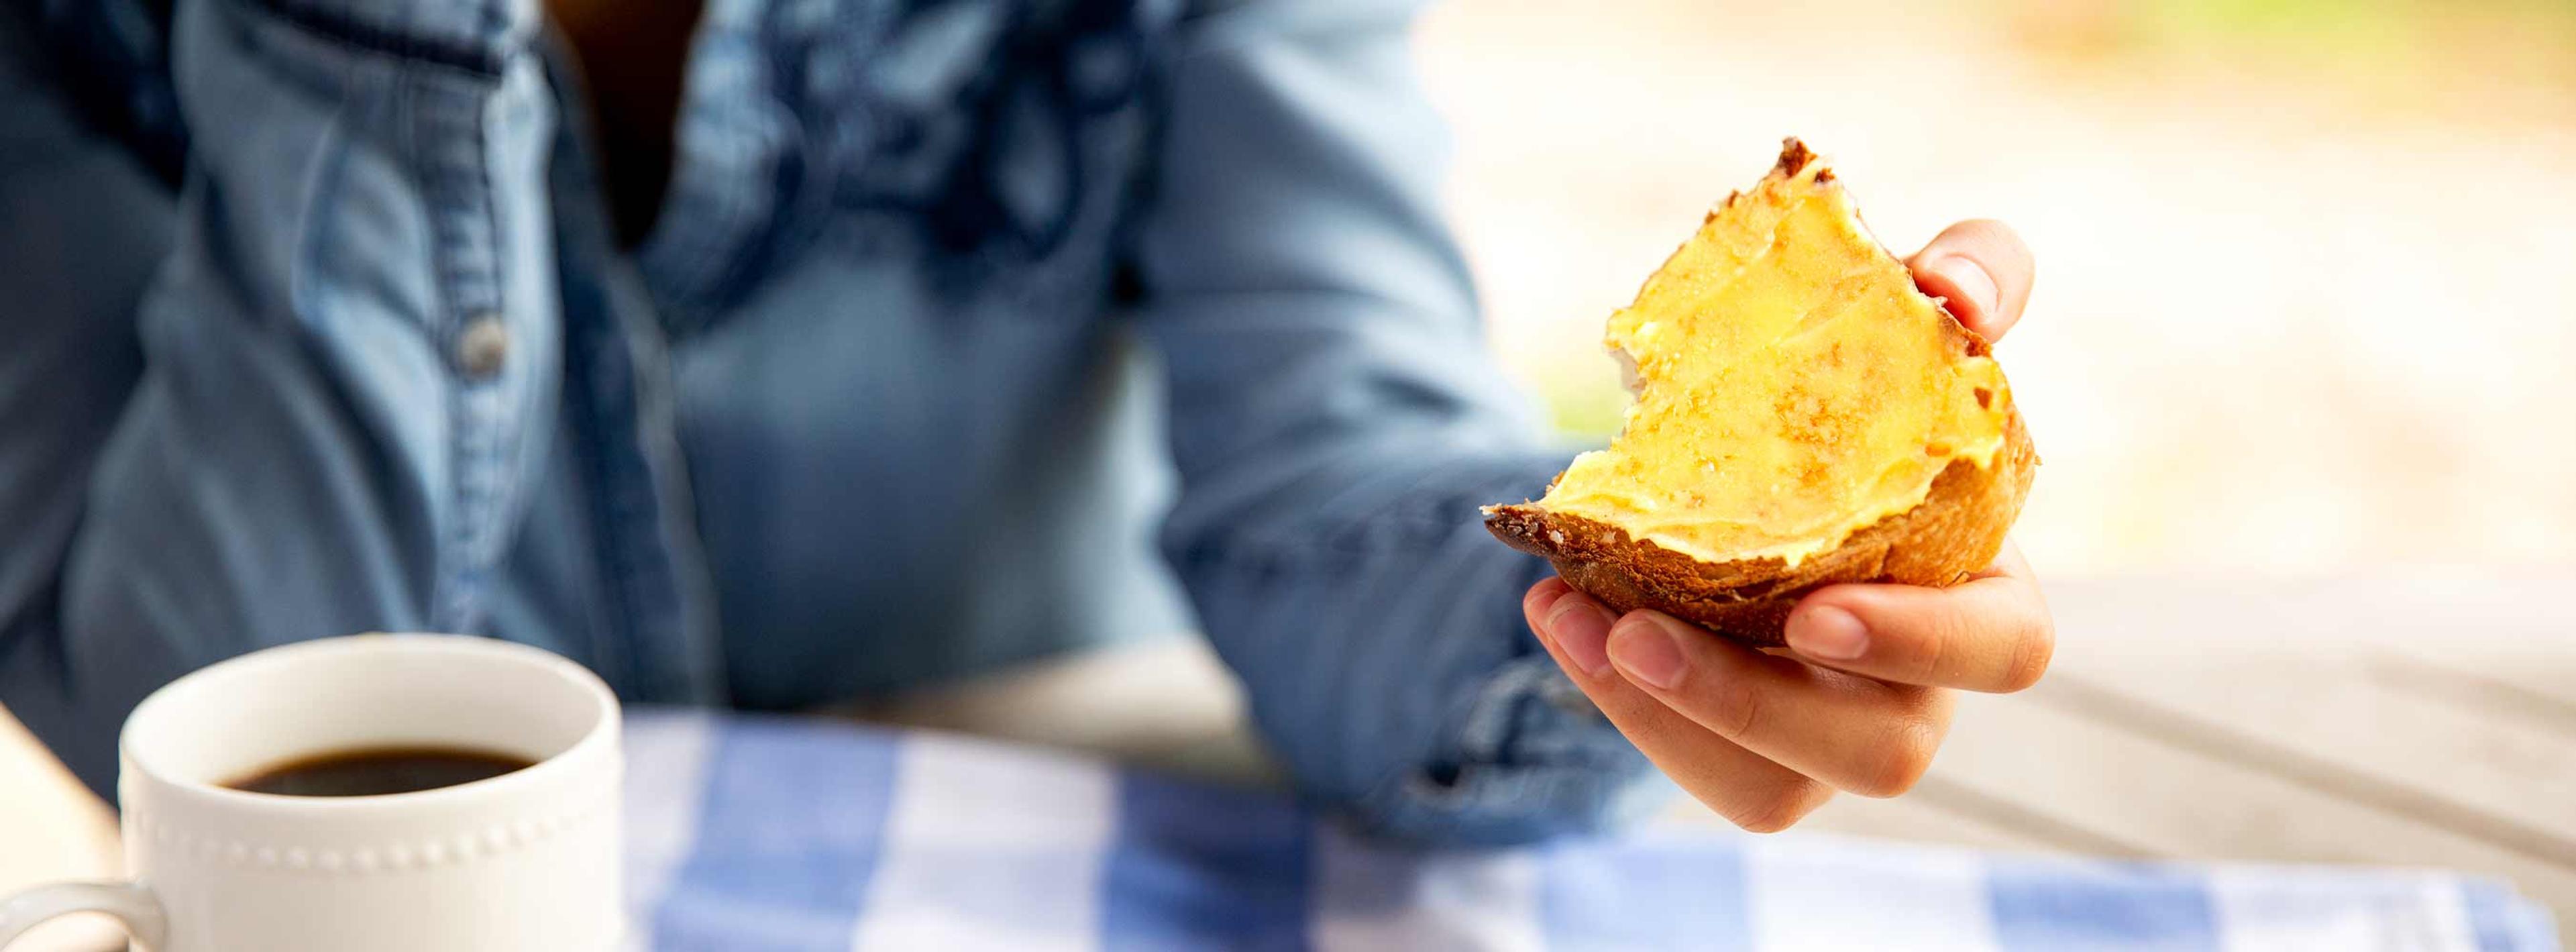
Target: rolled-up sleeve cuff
(1533,760)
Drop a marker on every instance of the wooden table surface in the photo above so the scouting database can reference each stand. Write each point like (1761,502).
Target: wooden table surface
(2417,721)
(2422,720)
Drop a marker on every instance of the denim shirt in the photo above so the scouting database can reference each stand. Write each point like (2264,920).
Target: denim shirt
(968,333)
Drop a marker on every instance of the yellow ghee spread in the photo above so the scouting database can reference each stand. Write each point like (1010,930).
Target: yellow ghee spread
(1795,387)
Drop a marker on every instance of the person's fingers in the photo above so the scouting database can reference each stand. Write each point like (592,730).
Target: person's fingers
(1983,271)
(1553,607)
(1857,734)
(1747,789)
(1539,597)
(1990,633)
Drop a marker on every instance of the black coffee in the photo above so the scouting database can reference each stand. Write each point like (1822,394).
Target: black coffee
(370,771)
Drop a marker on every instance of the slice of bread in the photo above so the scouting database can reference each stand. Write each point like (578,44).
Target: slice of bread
(1804,416)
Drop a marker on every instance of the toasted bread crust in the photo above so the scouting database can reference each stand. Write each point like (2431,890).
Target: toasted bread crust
(1954,532)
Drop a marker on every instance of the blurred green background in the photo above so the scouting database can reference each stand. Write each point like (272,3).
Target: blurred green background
(2389,51)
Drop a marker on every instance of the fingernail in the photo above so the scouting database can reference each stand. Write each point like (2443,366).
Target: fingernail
(1582,630)
(1830,633)
(1647,652)
(1530,602)
(1972,281)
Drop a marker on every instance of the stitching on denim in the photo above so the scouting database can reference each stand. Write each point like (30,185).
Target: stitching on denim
(590,387)
(617,396)
(481,60)
(638,561)
(588,390)
(450,142)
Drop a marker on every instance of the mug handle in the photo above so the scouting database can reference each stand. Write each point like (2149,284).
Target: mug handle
(128,902)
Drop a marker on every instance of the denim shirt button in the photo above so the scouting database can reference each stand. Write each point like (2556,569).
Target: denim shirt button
(484,347)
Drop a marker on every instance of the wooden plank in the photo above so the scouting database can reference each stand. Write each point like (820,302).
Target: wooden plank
(2487,682)
(1913,819)
(1938,813)
(2518,631)
(2330,723)
(2440,704)
(2305,680)
(2080,772)
(2005,813)
(1168,704)
(2492,785)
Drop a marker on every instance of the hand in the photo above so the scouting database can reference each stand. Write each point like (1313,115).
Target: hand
(1861,697)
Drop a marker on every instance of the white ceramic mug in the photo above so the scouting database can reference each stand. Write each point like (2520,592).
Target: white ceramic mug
(525,860)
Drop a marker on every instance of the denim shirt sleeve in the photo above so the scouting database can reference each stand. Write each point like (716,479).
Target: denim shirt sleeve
(1337,421)
(348,357)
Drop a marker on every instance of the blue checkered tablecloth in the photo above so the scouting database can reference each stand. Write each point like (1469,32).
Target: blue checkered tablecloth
(749,833)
